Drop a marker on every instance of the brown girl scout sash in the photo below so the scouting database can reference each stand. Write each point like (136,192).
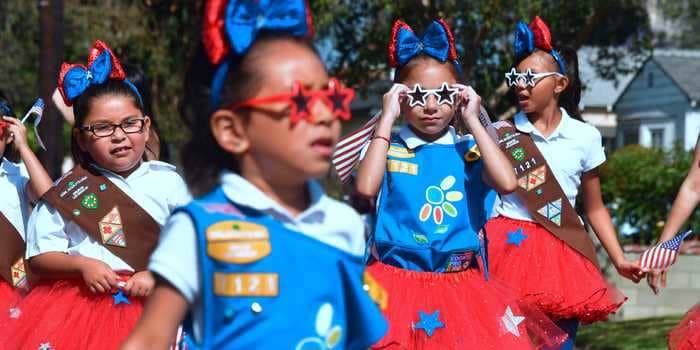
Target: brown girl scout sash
(540,191)
(12,267)
(106,213)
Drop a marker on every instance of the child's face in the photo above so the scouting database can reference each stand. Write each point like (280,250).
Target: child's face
(276,144)
(431,119)
(534,99)
(123,150)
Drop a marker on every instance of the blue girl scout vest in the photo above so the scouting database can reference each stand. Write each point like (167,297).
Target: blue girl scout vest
(432,205)
(267,287)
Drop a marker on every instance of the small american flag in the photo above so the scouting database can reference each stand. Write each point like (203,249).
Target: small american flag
(37,111)
(347,151)
(662,256)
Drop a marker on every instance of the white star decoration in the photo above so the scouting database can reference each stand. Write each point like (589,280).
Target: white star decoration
(15,312)
(511,322)
(45,346)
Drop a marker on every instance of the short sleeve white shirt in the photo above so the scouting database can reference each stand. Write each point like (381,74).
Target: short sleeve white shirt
(326,219)
(571,150)
(154,186)
(14,204)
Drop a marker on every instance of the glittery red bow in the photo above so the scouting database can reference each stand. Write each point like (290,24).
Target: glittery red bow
(541,34)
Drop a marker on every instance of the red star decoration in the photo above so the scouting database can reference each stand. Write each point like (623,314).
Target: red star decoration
(300,103)
(340,98)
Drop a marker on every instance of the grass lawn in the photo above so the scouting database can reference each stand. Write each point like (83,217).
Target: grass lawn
(641,334)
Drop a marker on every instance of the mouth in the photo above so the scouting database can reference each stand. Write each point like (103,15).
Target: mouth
(323,146)
(522,99)
(120,151)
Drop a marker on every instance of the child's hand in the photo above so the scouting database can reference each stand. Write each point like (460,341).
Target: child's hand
(98,276)
(140,284)
(630,270)
(17,130)
(392,102)
(653,278)
(470,102)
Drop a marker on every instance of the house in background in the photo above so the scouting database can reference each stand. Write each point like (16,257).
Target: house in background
(660,105)
(599,95)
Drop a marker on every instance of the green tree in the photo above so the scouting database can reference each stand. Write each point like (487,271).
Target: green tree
(640,184)
(686,13)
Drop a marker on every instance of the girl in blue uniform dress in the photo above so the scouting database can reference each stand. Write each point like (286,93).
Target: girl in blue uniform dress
(263,258)
(434,189)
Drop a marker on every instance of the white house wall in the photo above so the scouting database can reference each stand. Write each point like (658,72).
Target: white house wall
(692,128)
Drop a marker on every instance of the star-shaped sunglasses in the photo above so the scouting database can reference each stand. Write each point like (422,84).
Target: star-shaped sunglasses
(301,101)
(529,78)
(445,95)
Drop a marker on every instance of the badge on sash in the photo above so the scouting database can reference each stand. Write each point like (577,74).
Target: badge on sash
(19,275)
(112,230)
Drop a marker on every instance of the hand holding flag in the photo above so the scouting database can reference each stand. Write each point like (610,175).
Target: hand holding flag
(662,255)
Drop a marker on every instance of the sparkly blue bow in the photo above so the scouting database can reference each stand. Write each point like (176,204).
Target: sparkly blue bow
(245,19)
(78,78)
(434,43)
(524,42)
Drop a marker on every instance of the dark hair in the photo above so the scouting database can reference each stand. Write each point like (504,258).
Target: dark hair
(11,152)
(202,157)
(82,105)
(137,77)
(402,72)
(571,96)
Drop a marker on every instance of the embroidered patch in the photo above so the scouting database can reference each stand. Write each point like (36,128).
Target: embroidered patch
(441,229)
(420,238)
(224,208)
(459,261)
(552,211)
(76,212)
(112,230)
(246,284)
(238,242)
(473,154)
(328,336)
(397,166)
(90,201)
(439,200)
(516,238)
(400,152)
(539,191)
(19,274)
(518,154)
(120,298)
(103,187)
(376,292)
(533,179)
(429,322)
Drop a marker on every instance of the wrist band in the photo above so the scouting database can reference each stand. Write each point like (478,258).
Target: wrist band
(382,137)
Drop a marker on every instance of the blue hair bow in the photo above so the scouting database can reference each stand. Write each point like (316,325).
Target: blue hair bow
(78,78)
(436,42)
(535,36)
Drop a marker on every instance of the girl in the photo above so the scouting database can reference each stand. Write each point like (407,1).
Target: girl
(537,242)
(432,187)
(685,336)
(90,237)
(17,191)
(263,257)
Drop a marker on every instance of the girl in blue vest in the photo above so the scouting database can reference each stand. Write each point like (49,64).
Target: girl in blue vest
(433,188)
(263,258)
(542,268)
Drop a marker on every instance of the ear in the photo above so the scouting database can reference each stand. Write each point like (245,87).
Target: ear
(228,129)
(561,85)
(147,127)
(79,137)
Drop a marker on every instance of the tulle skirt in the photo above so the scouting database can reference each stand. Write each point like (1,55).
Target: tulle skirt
(64,314)
(686,335)
(460,310)
(549,273)
(9,296)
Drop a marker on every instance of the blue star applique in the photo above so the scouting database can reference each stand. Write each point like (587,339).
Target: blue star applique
(429,322)
(120,298)
(516,238)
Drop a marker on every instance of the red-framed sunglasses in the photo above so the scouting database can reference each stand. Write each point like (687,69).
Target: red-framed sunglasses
(336,96)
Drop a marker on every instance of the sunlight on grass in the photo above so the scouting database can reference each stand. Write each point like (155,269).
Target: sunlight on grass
(644,334)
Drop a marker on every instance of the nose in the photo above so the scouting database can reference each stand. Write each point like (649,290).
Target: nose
(431,105)
(322,113)
(118,134)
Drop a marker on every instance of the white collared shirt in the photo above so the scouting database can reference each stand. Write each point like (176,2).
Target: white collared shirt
(412,140)
(14,204)
(326,220)
(571,150)
(154,186)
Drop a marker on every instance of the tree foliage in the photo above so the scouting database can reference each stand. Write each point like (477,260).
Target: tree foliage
(639,184)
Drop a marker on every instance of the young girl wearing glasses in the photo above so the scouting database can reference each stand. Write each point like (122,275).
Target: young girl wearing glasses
(91,235)
(263,258)
(427,251)
(537,243)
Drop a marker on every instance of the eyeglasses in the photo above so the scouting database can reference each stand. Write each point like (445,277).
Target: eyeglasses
(528,78)
(301,101)
(445,95)
(128,126)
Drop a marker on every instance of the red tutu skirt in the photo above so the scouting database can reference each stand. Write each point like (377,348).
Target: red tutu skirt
(459,310)
(686,335)
(64,314)
(9,296)
(549,273)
